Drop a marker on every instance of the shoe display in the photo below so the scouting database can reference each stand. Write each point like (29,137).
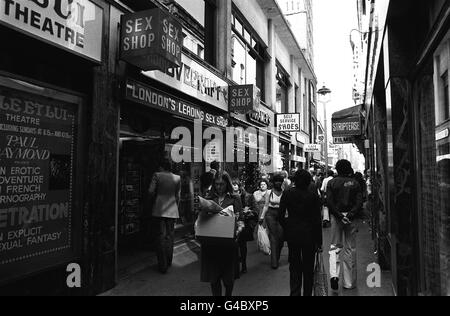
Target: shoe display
(334,284)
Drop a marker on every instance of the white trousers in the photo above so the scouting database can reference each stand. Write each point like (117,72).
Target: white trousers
(325,214)
(343,251)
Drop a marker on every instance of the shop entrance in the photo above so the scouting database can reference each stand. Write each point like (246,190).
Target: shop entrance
(144,143)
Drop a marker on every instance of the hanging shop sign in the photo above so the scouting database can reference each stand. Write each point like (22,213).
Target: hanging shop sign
(347,127)
(288,122)
(151,40)
(37,154)
(74,25)
(195,80)
(320,139)
(243,99)
(154,98)
(259,117)
(343,140)
(312,148)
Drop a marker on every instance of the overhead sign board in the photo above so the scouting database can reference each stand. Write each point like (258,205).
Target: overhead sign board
(195,80)
(312,148)
(288,122)
(151,40)
(154,98)
(350,126)
(74,25)
(243,99)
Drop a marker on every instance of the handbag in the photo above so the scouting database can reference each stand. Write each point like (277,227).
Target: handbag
(320,276)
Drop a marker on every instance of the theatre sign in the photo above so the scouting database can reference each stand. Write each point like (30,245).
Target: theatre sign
(74,25)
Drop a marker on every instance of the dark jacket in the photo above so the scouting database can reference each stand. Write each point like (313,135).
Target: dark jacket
(344,196)
(303,223)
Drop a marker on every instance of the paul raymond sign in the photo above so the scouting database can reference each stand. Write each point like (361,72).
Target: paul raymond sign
(159,100)
(151,40)
(37,144)
(75,25)
(288,122)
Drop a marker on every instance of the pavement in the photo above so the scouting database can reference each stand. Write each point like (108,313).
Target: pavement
(141,277)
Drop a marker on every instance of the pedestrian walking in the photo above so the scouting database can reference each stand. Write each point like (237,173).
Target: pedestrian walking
(220,263)
(303,231)
(260,195)
(250,218)
(272,217)
(165,188)
(323,190)
(344,200)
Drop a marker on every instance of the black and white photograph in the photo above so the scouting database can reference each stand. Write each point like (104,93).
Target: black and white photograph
(224,154)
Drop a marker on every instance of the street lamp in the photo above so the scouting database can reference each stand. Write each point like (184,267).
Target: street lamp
(323,93)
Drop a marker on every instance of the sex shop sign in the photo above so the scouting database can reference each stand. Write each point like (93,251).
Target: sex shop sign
(244,98)
(151,40)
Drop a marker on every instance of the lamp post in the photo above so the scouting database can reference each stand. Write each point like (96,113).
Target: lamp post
(323,93)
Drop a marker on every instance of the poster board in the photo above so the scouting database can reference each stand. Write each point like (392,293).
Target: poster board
(39,224)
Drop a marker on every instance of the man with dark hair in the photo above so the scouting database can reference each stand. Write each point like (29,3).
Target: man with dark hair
(344,200)
(215,167)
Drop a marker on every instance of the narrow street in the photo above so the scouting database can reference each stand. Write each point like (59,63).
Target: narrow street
(261,280)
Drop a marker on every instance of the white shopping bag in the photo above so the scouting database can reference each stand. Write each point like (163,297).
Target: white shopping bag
(263,241)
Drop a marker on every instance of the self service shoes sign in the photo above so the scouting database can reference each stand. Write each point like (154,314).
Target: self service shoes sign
(288,122)
(151,40)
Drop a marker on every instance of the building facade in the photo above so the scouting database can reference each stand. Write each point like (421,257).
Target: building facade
(406,102)
(85,142)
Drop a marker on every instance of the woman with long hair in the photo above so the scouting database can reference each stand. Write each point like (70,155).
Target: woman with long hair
(271,216)
(219,262)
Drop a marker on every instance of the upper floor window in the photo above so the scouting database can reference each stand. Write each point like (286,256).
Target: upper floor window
(247,54)
(199,17)
(283,83)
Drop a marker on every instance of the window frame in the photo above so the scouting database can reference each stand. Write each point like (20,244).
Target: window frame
(255,46)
